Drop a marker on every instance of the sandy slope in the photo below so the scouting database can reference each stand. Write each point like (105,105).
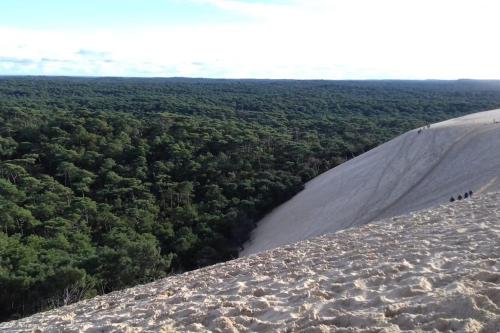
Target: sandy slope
(436,270)
(411,172)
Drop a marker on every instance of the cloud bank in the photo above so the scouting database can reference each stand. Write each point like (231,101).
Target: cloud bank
(316,39)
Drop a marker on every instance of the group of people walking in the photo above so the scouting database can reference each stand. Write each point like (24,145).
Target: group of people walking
(421,129)
(464,196)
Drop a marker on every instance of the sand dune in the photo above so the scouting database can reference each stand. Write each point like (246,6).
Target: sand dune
(414,171)
(432,271)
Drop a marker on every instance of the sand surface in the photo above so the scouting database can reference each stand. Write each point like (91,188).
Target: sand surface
(411,172)
(432,271)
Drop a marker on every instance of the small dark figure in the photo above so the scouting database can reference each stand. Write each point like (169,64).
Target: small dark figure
(452,199)
(459,197)
(466,195)
(470,193)
(419,131)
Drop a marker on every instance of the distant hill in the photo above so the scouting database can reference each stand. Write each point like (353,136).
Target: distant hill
(422,168)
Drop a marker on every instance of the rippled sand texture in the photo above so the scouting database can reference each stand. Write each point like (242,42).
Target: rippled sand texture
(435,270)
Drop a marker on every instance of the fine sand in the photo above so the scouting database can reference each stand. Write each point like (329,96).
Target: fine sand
(431,271)
(420,169)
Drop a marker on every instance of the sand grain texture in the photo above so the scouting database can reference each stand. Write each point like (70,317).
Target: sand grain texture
(431,271)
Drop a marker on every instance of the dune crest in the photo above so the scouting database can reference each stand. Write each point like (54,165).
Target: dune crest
(420,169)
(435,270)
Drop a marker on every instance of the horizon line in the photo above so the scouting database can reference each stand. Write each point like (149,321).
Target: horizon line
(229,79)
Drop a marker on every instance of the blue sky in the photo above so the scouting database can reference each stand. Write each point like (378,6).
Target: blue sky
(301,39)
(82,14)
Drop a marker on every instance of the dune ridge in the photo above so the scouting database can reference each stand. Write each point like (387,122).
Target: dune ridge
(420,169)
(433,270)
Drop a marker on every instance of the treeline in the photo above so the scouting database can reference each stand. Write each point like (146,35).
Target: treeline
(107,183)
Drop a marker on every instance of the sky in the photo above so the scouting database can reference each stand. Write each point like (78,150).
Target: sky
(276,39)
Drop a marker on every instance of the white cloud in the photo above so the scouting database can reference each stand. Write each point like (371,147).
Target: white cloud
(337,39)
(254,9)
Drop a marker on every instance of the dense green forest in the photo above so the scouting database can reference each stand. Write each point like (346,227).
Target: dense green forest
(107,183)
